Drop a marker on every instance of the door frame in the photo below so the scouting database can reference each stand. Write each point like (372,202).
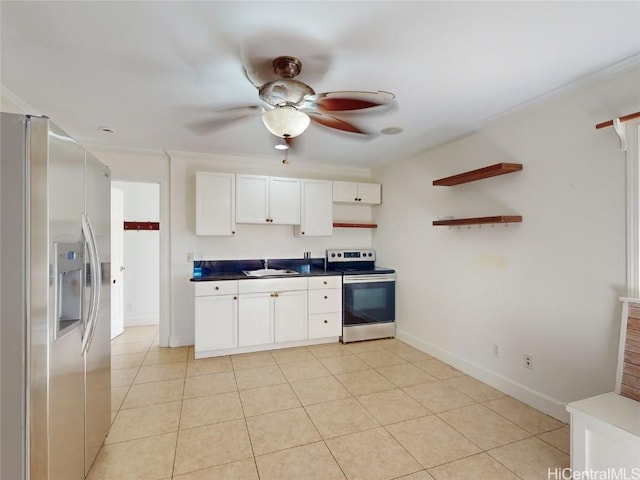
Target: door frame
(164,328)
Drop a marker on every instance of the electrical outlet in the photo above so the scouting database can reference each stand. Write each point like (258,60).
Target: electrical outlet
(528,362)
(496,350)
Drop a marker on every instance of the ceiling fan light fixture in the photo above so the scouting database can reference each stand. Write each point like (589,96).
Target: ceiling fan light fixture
(286,121)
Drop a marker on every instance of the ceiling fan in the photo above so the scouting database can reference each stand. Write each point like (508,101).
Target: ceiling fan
(289,105)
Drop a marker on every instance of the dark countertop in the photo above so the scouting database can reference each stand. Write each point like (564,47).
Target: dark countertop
(215,270)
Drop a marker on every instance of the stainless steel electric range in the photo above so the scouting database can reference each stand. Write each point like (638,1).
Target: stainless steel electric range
(368,294)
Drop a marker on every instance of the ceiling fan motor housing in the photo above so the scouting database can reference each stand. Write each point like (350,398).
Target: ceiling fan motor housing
(287,67)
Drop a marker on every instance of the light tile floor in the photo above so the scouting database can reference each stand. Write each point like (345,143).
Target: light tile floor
(376,410)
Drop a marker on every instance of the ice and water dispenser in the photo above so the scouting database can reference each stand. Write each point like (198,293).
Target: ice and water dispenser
(68,271)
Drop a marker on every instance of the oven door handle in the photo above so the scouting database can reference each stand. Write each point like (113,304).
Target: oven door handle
(375,278)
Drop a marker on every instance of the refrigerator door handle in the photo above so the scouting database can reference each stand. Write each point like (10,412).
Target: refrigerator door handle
(96,275)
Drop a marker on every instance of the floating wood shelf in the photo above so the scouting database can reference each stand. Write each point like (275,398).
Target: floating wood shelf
(479,220)
(479,174)
(354,225)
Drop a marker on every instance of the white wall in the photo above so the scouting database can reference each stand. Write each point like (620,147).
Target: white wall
(152,167)
(547,287)
(175,172)
(251,241)
(141,254)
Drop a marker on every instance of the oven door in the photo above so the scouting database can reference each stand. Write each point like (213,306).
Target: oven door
(369,299)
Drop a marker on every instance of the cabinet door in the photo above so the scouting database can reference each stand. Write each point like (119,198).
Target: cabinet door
(290,313)
(216,324)
(369,193)
(345,192)
(284,200)
(316,215)
(255,319)
(215,203)
(252,199)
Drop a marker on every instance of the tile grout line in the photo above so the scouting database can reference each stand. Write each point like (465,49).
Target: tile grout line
(351,395)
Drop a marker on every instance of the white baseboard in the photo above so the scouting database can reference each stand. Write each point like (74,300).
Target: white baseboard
(537,400)
(180,340)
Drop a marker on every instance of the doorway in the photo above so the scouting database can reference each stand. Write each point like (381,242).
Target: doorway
(140,269)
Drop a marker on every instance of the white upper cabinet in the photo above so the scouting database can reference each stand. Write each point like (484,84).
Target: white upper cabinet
(284,200)
(261,199)
(316,215)
(252,199)
(215,204)
(354,192)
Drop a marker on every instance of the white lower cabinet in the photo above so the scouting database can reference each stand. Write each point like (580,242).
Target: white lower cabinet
(325,306)
(255,319)
(237,316)
(605,435)
(290,315)
(216,316)
(272,310)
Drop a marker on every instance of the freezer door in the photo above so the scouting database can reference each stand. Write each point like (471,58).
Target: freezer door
(64,182)
(98,352)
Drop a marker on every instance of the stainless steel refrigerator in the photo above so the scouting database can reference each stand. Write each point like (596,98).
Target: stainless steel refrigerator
(55,350)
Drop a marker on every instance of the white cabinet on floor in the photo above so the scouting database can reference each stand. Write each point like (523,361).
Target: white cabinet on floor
(215,204)
(290,315)
(355,192)
(325,306)
(316,209)
(605,434)
(255,319)
(272,310)
(216,316)
(273,200)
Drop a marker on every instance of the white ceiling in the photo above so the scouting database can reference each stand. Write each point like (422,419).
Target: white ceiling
(148,69)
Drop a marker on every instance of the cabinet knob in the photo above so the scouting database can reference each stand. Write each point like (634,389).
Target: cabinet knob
(325,282)
(235,297)
(302,233)
(233,232)
(326,321)
(217,288)
(325,297)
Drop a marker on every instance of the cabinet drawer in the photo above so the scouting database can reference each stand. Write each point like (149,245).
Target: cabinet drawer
(334,281)
(324,301)
(222,287)
(324,325)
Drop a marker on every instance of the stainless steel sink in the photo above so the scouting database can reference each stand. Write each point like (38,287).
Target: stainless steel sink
(265,272)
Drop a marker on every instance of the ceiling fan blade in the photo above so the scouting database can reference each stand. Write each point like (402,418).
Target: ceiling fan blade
(348,101)
(222,118)
(336,123)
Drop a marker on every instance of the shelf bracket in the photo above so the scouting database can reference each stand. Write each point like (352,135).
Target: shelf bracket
(621,132)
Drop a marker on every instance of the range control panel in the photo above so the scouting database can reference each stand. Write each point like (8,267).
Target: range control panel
(351,255)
